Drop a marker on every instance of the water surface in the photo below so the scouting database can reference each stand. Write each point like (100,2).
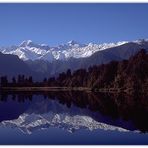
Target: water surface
(73,118)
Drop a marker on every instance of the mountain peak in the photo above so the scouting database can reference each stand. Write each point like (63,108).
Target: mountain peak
(26,43)
(72,42)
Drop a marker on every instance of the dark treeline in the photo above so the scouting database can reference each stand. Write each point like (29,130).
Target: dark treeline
(21,80)
(127,75)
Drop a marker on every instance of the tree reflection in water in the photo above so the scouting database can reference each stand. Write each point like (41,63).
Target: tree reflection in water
(115,106)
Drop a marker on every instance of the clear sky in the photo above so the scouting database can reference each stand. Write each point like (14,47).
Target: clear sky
(54,24)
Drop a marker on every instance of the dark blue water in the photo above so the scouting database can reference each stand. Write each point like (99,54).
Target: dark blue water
(58,136)
(71,119)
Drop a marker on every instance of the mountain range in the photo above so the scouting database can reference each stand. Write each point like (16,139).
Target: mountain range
(41,60)
(29,50)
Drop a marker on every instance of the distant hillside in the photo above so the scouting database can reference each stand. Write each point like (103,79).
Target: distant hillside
(11,65)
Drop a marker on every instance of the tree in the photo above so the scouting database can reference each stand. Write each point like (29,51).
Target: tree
(45,82)
(51,81)
(13,81)
(4,81)
(68,73)
(30,80)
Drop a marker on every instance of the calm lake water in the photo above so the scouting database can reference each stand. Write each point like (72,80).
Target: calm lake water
(73,118)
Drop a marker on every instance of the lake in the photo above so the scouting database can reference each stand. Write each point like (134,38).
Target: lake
(74,118)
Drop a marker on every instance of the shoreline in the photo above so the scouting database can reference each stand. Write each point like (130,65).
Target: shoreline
(56,89)
(45,89)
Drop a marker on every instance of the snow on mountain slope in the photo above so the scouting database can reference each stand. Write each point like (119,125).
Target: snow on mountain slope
(52,114)
(29,50)
(29,123)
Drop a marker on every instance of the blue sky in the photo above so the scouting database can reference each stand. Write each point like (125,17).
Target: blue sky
(54,24)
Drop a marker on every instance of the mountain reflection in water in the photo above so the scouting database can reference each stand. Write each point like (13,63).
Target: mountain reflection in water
(72,111)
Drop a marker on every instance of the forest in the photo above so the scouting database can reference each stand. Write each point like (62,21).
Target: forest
(127,75)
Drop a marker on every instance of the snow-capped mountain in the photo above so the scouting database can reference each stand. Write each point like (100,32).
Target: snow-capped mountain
(29,50)
(44,114)
(73,55)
